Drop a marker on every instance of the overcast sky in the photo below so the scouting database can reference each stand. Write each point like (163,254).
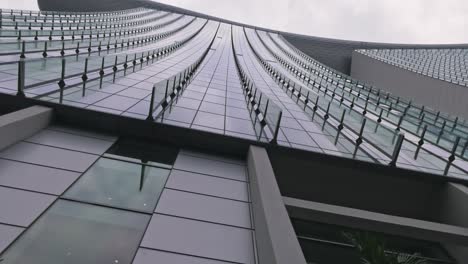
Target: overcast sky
(409,21)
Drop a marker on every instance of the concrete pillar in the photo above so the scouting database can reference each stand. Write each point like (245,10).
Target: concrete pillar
(454,209)
(275,237)
(22,124)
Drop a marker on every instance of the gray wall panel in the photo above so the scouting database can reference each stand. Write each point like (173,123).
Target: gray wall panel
(433,93)
(21,207)
(148,256)
(81,132)
(70,141)
(199,239)
(210,167)
(34,177)
(49,156)
(193,218)
(8,234)
(337,53)
(205,184)
(202,207)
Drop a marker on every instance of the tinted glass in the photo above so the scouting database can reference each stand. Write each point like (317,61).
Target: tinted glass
(76,233)
(120,184)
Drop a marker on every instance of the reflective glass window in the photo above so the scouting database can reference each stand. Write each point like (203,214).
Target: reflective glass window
(121,184)
(77,233)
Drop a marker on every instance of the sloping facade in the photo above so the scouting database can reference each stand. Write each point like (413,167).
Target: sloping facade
(141,133)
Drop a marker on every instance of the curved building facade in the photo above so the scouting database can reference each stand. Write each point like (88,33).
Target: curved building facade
(136,132)
(334,53)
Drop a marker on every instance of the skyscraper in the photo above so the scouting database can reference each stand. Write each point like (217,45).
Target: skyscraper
(142,133)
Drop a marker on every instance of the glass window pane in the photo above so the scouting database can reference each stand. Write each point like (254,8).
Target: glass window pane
(120,184)
(77,233)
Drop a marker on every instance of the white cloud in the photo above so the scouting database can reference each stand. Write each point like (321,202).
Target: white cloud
(19,4)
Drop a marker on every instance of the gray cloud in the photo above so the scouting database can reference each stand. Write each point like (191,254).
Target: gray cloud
(413,21)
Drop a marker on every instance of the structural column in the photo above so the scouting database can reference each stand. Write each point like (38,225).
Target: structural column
(275,237)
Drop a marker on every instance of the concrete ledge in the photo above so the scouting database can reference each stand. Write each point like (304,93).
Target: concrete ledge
(22,124)
(275,237)
(377,222)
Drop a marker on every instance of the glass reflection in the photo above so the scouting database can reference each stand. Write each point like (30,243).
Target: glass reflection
(76,233)
(120,184)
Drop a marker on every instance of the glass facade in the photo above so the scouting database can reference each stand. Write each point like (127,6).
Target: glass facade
(120,184)
(199,74)
(74,196)
(71,232)
(130,199)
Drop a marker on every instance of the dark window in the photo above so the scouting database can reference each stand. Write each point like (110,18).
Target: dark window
(327,244)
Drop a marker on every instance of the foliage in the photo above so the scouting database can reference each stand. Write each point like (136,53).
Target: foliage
(372,250)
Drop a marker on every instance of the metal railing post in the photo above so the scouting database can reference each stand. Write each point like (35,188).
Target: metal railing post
(150,110)
(451,158)
(397,149)
(422,111)
(84,77)
(114,69)
(23,50)
(454,123)
(165,103)
(420,142)
(326,116)
(340,126)
(275,135)
(61,83)
(359,140)
(399,123)
(21,77)
(437,117)
(420,122)
(101,72)
(314,109)
(439,136)
(464,148)
(266,106)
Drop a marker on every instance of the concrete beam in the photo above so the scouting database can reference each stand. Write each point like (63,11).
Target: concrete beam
(22,124)
(390,224)
(275,237)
